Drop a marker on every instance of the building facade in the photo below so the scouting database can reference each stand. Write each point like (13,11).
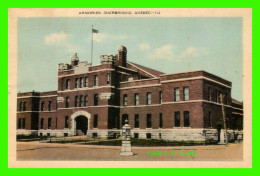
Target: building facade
(96,101)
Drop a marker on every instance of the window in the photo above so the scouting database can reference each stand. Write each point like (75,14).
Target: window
(124,118)
(95,121)
(56,123)
(95,99)
(136,99)
(226,98)
(86,100)
(149,121)
(96,80)
(148,135)
(24,106)
(185,93)
(49,123)
(94,135)
(148,98)
(49,106)
(76,101)
(67,84)
(20,106)
(108,78)
(80,100)
(21,123)
(186,119)
(42,105)
(177,121)
(66,122)
(66,134)
(86,82)
(209,93)
(67,101)
(160,97)
(136,135)
(42,121)
(124,99)
(160,121)
(160,135)
(217,98)
(176,94)
(76,82)
(210,119)
(81,82)
(136,121)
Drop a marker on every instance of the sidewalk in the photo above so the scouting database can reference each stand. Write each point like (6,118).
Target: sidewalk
(52,151)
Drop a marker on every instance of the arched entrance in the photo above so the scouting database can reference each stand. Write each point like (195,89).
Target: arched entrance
(81,125)
(80,121)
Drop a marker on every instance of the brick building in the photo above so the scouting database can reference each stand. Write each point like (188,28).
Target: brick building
(96,101)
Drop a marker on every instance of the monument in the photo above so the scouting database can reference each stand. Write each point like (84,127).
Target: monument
(126,149)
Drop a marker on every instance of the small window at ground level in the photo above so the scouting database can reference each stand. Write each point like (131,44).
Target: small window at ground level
(148,135)
(94,135)
(136,135)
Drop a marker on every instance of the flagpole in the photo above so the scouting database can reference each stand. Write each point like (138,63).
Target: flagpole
(91,43)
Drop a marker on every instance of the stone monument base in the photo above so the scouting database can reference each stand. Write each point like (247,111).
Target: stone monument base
(126,149)
(126,153)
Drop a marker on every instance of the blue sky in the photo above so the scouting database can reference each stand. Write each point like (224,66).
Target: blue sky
(167,44)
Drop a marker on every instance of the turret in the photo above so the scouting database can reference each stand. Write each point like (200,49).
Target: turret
(122,51)
(74,60)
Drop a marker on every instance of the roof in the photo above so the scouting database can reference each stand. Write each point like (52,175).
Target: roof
(236,101)
(146,69)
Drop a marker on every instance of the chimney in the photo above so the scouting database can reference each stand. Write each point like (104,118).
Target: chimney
(74,60)
(122,55)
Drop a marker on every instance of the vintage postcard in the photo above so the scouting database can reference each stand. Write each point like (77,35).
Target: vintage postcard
(132,88)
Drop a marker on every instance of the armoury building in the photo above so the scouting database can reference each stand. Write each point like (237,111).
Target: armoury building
(96,101)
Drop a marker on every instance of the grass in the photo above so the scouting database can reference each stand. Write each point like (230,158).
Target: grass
(151,142)
(110,142)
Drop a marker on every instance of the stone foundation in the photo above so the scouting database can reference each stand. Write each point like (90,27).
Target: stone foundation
(26,132)
(176,134)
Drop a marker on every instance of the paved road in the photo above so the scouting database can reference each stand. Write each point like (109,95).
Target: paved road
(47,151)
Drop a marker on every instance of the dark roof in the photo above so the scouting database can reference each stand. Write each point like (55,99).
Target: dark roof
(149,70)
(236,101)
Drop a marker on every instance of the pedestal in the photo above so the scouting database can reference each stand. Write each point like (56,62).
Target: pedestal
(126,149)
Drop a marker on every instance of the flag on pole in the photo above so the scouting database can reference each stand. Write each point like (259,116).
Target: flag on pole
(95,31)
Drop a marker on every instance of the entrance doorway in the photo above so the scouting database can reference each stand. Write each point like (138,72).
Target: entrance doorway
(81,125)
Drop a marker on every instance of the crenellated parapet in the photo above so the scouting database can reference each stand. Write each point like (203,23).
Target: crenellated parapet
(107,59)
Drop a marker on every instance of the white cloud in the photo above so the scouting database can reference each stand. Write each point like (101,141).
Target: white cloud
(99,37)
(61,39)
(164,52)
(169,52)
(144,46)
(56,38)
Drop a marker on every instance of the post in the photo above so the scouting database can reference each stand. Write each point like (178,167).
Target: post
(91,43)
(126,149)
(224,119)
